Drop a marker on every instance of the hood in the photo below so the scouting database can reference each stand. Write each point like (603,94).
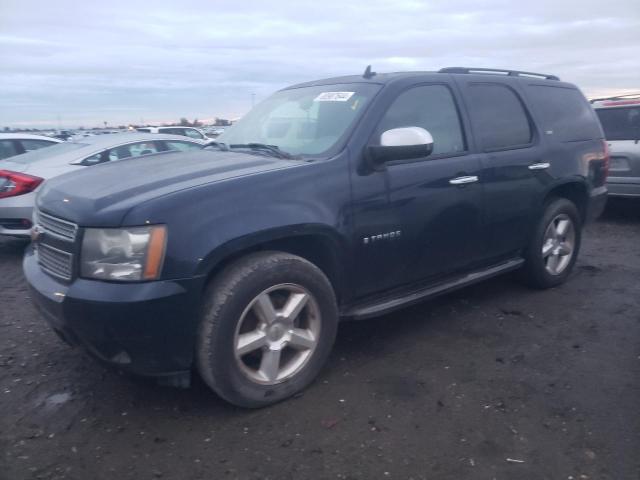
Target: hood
(101,195)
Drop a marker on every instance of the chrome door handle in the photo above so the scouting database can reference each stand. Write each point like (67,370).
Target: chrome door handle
(463,180)
(539,166)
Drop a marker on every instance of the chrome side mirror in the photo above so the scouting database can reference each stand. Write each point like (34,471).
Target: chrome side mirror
(405,143)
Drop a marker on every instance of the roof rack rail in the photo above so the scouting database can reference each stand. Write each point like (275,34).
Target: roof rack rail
(511,73)
(628,96)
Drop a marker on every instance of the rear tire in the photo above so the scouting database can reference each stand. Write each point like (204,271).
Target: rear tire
(268,324)
(552,253)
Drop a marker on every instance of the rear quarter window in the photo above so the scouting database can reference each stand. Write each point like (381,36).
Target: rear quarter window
(564,113)
(7,149)
(620,123)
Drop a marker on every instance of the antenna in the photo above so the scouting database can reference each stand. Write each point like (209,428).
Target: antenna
(368,73)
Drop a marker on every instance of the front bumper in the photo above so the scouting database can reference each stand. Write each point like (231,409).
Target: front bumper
(16,212)
(624,186)
(144,328)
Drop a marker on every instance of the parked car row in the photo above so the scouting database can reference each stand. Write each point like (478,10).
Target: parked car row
(12,144)
(21,176)
(340,198)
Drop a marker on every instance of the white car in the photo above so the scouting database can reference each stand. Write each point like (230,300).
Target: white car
(12,144)
(190,132)
(22,176)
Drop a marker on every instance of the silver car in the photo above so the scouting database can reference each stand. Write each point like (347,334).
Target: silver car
(620,119)
(22,176)
(12,144)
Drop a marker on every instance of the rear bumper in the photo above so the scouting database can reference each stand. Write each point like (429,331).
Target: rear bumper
(597,202)
(144,328)
(16,214)
(624,186)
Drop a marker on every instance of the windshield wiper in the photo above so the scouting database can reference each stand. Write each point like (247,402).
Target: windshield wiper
(272,149)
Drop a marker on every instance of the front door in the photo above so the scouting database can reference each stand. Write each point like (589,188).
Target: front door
(428,221)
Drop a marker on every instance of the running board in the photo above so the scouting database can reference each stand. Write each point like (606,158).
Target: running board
(389,304)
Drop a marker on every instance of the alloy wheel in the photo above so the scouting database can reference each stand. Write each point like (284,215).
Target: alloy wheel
(277,334)
(558,244)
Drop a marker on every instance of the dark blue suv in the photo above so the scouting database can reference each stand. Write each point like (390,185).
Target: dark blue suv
(341,198)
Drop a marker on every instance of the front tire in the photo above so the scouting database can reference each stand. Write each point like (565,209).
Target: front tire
(553,251)
(268,324)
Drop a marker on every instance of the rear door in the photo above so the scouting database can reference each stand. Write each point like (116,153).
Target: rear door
(514,166)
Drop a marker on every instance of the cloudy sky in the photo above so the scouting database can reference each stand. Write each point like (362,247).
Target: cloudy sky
(74,63)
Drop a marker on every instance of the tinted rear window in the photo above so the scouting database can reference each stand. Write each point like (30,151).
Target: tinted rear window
(564,113)
(620,123)
(499,119)
(7,149)
(57,149)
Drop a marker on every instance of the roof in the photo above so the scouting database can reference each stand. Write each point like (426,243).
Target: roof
(106,141)
(629,100)
(26,136)
(384,78)
(378,78)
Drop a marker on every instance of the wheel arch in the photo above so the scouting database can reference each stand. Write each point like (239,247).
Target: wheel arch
(318,244)
(575,190)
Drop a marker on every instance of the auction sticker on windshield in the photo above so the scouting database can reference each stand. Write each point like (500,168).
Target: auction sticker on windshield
(333,97)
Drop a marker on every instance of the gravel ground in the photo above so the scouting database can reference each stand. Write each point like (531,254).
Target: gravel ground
(492,382)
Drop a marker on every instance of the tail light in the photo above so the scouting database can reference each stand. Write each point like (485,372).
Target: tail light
(13,184)
(607,158)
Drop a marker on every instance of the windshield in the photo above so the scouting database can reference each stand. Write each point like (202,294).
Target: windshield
(620,123)
(303,121)
(57,149)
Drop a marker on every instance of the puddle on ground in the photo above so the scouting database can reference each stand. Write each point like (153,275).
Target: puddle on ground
(58,399)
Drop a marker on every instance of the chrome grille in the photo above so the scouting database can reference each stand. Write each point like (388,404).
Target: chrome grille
(55,262)
(57,226)
(55,244)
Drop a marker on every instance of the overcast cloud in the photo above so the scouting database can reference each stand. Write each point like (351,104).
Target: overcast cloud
(124,61)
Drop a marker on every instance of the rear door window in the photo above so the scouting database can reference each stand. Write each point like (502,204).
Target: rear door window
(7,149)
(132,150)
(499,119)
(433,108)
(29,144)
(95,159)
(564,112)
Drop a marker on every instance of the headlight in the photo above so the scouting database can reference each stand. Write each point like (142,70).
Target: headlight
(126,254)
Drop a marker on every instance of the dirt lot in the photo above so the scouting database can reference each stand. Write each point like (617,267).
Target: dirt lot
(493,382)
